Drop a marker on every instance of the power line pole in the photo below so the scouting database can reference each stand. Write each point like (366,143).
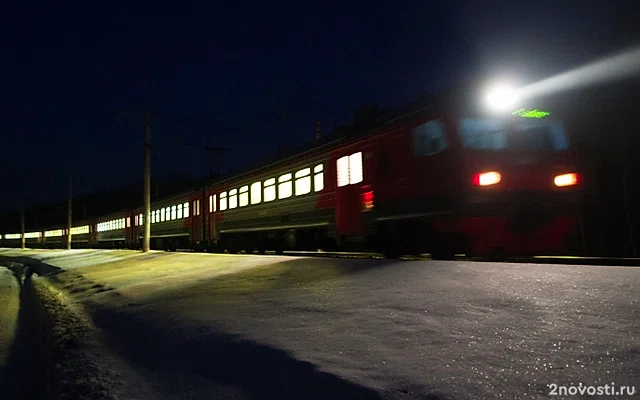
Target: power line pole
(22,241)
(147,182)
(69,215)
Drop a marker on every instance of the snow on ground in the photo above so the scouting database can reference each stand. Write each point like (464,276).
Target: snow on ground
(417,329)
(9,303)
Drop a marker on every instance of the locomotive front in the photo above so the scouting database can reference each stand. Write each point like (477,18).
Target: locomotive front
(524,185)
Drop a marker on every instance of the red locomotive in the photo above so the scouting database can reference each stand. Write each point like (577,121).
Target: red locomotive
(441,179)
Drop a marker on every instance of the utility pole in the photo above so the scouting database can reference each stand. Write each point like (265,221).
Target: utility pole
(69,215)
(22,241)
(147,182)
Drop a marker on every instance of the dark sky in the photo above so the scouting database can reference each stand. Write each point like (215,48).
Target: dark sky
(248,75)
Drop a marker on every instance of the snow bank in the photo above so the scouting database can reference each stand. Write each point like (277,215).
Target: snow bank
(73,349)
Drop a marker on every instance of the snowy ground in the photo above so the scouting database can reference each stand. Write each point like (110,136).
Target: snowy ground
(225,326)
(9,303)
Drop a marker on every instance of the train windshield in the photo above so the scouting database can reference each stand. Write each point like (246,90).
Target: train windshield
(499,135)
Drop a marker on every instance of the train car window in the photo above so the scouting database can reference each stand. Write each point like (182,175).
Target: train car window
(343,171)
(128,222)
(256,192)
(185,209)
(243,198)
(538,135)
(198,210)
(141,219)
(162,214)
(270,189)
(174,212)
(318,178)
(179,211)
(223,201)
(215,202)
(303,181)
(233,198)
(355,168)
(135,221)
(428,139)
(211,206)
(483,134)
(494,134)
(285,187)
(153,218)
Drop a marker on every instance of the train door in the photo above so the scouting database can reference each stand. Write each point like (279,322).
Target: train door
(348,212)
(196,222)
(213,209)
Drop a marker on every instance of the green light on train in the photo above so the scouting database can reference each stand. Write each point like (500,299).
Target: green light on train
(530,113)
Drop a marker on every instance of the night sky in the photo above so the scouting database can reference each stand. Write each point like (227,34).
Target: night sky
(248,75)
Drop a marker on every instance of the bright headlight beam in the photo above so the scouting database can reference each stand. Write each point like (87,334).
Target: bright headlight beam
(501,97)
(602,71)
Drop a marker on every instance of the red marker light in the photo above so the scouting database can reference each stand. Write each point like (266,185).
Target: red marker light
(487,178)
(367,200)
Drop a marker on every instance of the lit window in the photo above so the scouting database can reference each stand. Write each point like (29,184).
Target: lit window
(303,181)
(318,178)
(54,233)
(285,188)
(355,168)
(174,212)
(179,211)
(343,171)
(141,219)
(211,203)
(256,192)
(196,211)
(162,214)
(215,202)
(135,220)
(185,210)
(233,198)
(223,201)
(244,196)
(270,189)
(128,222)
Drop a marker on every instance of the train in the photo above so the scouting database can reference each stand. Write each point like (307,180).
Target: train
(435,177)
